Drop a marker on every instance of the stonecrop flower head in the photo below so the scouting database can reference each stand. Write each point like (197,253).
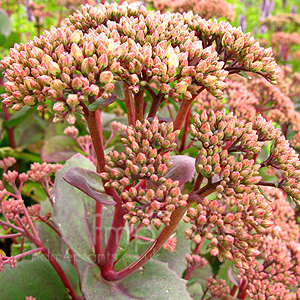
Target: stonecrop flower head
(277,272)
(146,157)
(99,46)
(238,214)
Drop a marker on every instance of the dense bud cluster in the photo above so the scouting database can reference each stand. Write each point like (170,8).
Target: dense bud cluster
(207,9)
(40,172)
(101,45)
(277,273)
(146,156)
(218,288)
(13,208)
(234,219)
(248,99)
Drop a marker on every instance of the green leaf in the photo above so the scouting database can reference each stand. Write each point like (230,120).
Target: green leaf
(36,278)
(73,211)
(58,148)
(100,103)
(5,23)
(34,191)
(49,237)
(88,182)
(244,74)
(54,129)
(155,281)
(18,117)
(119,90)
(30,130)
(263,193)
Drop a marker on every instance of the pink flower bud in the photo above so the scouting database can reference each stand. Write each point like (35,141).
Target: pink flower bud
(106,77)
(59,106)
(31,84)
(134,79)
(157,223)
(29,100)
(214,251)
(87,66)
(76,51)
(57,85)
(181,87)
(76,36)
(53,68)
(202,220)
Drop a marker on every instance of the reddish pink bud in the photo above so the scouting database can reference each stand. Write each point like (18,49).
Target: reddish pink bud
(76,51)
(76,36)
(53,68)
(213,205)
(59,106)
(252,252)
(157,223)
(31,84)
(197,239)
(214,251)
(72,100)
(76,83)
(29,100)
(87,66)
(202,220)
(106,77)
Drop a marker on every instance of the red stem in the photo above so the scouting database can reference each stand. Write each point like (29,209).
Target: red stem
(10,131)
(176,216)
(139,105)
(60,273)
(129,104)
(185,130)
(182,112)
(117,226)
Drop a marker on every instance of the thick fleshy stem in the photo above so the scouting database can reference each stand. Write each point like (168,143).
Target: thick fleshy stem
(176,216)
(129,104)
(139,105)
(185,130)
(118,221)
(183,111)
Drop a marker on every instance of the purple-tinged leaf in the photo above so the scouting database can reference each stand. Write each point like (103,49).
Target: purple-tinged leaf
(100,103)
(232,277)
(183,168)
(88,182)
(73,211)
(58,148)
(154,281)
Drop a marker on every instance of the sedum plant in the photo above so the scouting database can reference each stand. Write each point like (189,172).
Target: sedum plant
(209,192)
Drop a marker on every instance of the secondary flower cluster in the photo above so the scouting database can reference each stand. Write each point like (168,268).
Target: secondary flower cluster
(247,99)
(277,274)
(146,156)
(234,219)
(101,45)
(204,8)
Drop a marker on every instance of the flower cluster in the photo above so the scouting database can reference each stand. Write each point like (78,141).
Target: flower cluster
(101,45)
(204,8)
(277,274)
(247,99)
(40,172)
(234,219)
(218,288)
(147,156)
(282,21)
